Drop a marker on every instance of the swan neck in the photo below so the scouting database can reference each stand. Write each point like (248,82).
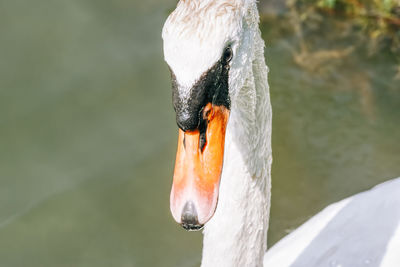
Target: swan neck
(237,233)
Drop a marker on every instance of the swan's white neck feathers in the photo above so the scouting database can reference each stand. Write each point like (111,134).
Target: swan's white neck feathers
(237,233)
(195,36)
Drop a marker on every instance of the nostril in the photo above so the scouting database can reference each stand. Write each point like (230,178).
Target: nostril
(189,219)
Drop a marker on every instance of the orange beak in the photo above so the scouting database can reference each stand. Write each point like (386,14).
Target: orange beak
(198,168)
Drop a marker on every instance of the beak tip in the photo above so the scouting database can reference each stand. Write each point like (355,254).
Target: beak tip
(189,218)
(191,227)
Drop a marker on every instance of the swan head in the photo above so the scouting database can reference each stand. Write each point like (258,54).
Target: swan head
(206,48)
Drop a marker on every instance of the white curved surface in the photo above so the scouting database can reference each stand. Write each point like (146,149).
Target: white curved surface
(363,230)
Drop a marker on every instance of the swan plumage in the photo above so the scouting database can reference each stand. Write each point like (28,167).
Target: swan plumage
(232,203)
(362,230)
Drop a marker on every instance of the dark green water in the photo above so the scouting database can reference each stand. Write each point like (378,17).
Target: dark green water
(87,134)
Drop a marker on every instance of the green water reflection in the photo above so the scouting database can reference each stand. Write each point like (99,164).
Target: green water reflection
(88,135)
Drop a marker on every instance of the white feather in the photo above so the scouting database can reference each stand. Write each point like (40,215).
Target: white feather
(195,36)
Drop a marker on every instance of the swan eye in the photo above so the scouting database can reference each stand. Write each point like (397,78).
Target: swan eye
(228,54)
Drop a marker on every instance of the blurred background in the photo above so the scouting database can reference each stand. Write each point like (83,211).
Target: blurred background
(88,133)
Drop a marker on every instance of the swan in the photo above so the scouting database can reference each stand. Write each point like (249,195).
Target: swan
(222,175)
(362,230)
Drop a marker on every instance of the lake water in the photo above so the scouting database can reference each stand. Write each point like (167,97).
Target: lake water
(88,133)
